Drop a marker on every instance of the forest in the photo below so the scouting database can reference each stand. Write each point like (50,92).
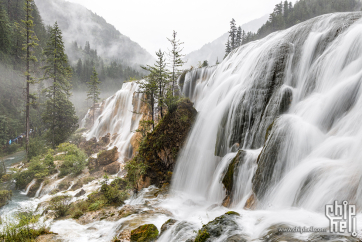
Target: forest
(285,15)
(16,34)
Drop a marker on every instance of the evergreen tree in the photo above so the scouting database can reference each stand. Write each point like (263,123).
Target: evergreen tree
(93,89)
(232,34)
(176,61)
(239,34)
(28,47)
(59,116)
(5,36)
(158,79)
(148,87)
(228,48)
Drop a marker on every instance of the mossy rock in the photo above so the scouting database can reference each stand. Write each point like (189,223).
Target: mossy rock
(167,225)
(230,174)
(219,226)
(144,233)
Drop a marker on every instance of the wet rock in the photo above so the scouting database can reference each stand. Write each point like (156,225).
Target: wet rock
(144,233)
(112,168)
(222,225)
(33,189)
(168,224)
(237,238)
(230,175)
(80,193)
(48,238)
(160,149)
(251,202)
(107,157)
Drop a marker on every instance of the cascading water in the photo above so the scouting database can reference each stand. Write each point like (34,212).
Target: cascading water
(120,116)
(292,102)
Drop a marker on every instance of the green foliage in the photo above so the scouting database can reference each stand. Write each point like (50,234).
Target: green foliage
(5,196)
(37,147)
(74,160)
(286,15)
(60,119)
(27,229)
(135,169)
(96,205)
(61,205)
(202,236)
(144,233)
(176,59)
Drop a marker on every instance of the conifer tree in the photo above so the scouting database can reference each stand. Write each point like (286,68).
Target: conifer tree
(148,87)
(93,89)
(239,34)
(175,56)
(31,39)
(59,116)
(5,36)
(232,34)
(228,48)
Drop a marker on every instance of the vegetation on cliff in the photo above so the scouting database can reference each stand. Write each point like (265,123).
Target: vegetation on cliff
(158,152)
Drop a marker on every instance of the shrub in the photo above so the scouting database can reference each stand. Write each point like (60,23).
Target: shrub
(74,159)
(96,205)
(37,147)
(61,205)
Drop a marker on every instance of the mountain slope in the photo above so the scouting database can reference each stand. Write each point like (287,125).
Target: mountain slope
(216,49)
(80,24)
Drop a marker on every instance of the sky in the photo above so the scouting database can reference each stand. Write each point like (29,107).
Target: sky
(197,22)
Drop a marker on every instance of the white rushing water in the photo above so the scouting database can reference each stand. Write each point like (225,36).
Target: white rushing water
(120,117)
(288,106)
(306,81)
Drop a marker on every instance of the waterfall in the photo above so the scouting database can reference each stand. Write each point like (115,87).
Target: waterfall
(120,117)
(29,186)
(39,190)
(291,101)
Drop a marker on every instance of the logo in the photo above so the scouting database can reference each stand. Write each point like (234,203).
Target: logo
(342,218)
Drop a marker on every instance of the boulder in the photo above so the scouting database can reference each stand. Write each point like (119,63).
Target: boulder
(144,233)
(80,193)
(112,168)
(107,157)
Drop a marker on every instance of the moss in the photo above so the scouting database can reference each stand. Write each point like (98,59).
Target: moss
(144,233)
(202,236)
(160,148)
(232,213)
(269,130)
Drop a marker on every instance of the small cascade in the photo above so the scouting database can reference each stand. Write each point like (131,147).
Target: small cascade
(120,117)
(39,190)
(29,186)
(71,185)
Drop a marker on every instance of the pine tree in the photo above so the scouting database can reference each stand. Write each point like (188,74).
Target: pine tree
(148,87)
(28,47)
(158,79)
(239,34)
(5,36)
(232,34)
(228,48)
(93,89)
(59,116)
(176,61)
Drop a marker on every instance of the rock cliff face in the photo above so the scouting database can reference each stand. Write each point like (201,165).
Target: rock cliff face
(160,148)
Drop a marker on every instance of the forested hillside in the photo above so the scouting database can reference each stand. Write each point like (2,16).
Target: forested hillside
(24,39)
(286,14)
(81,25)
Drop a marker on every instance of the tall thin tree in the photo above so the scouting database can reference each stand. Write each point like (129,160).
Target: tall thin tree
(28,47)
(93,90)
(175,56)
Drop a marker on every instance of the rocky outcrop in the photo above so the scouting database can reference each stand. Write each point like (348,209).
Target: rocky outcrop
(112,168)
(160,148)
(230,175)
(168,224)
(104,158)
(93,146)
(224,225)
(144,233)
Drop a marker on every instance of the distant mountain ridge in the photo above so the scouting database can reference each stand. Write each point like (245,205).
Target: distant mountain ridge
(216,49)
(79,24)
